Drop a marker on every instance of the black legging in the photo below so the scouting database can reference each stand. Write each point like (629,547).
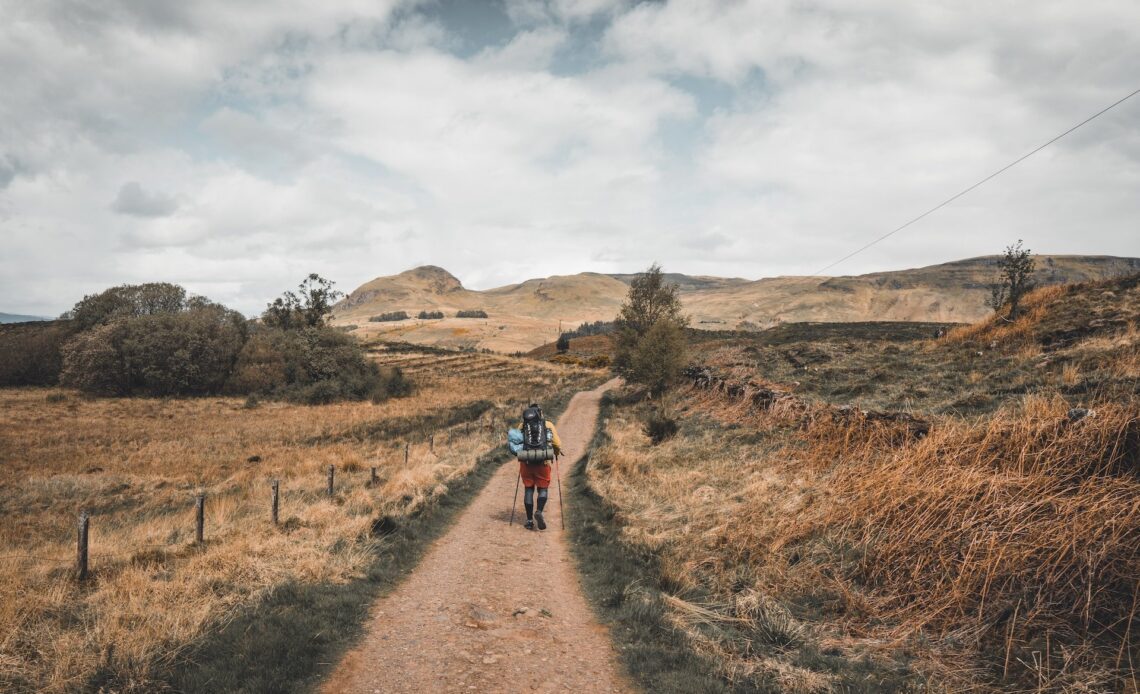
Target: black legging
(528,501)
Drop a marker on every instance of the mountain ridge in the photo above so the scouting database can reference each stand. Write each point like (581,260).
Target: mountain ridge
(529,313)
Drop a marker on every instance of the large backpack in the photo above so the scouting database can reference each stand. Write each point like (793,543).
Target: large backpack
(534,429)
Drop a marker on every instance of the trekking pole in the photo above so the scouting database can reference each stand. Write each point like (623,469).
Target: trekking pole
(515,501)
(558,474)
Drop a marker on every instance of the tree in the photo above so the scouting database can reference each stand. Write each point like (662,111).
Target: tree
(563,344)
(306,309)
(650,344)
(1014,280)
(187,353)
(127,301)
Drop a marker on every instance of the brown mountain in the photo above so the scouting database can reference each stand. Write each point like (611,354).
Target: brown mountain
(523,316)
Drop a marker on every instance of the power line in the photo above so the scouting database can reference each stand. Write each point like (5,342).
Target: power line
(995,174)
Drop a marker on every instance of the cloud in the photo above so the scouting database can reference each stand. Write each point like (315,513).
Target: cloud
(133,200)
(244,145)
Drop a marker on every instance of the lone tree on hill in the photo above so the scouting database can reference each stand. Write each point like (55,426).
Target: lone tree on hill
(1014,280)
(305,309)
(649,332)
(563,344)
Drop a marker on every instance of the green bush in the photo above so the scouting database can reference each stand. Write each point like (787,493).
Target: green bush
(430,315)
(390,316)
(31,353)
(311,365)
(187,353)
(475,313)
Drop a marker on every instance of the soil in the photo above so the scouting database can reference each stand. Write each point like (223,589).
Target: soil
(492,607)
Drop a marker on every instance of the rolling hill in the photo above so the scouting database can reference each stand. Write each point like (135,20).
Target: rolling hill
(19,318)
(525,315)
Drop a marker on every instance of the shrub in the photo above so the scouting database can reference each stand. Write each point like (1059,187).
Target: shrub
(390,316)
(660,427)
(92,362)
(189,353)
(393,384)
(311,365)
(563,343)
(599,361)
(474,313)
(31,353)
(430,315)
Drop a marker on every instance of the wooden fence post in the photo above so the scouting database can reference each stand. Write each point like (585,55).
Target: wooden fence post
(200,516)
(276,496)
(332,472)
(374,479)
(431,443)
(406,445)
(81,547)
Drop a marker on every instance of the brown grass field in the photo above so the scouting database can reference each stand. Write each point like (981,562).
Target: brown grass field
(806,546)
(136,465)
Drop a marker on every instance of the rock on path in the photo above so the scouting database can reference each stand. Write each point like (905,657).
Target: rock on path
(492,608)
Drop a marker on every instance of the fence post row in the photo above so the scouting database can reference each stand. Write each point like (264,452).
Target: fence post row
(84,525)
(81,546)
(200,516)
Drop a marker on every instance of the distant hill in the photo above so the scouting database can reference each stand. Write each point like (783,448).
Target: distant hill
(18,318)
(525,315)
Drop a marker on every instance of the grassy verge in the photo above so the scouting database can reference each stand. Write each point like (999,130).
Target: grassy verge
(624,589)
(670,635)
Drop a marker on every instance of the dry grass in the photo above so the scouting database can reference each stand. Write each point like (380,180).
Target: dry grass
(136,465)
(999,552)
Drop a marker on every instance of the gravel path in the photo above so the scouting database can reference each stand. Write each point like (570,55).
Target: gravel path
(492,608)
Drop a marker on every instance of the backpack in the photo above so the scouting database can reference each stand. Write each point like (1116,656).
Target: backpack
(534,429)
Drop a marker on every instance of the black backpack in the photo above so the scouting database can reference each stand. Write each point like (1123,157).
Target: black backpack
(534,429)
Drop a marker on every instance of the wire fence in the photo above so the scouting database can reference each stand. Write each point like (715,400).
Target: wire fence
(81,560)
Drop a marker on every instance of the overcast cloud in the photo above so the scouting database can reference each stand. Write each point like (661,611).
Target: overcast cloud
(234,147)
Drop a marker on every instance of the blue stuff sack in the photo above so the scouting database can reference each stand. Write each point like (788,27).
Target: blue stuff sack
(515,440)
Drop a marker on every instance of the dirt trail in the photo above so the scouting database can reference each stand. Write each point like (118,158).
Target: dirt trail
(458,624)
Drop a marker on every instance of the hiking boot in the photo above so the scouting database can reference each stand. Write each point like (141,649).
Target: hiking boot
(540,520)
(529,524)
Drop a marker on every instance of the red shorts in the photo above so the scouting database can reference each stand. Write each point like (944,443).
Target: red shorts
(535,474)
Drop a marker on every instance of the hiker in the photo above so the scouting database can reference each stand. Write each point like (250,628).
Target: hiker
(535,443)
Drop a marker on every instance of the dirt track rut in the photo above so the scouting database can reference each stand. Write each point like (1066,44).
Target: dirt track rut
(492,608)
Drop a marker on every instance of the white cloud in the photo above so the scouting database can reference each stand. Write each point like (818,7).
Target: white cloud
(243,145)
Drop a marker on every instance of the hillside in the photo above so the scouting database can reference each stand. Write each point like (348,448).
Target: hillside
(844,504)
(525,315)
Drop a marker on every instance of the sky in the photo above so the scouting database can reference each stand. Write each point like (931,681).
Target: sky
(235,147)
